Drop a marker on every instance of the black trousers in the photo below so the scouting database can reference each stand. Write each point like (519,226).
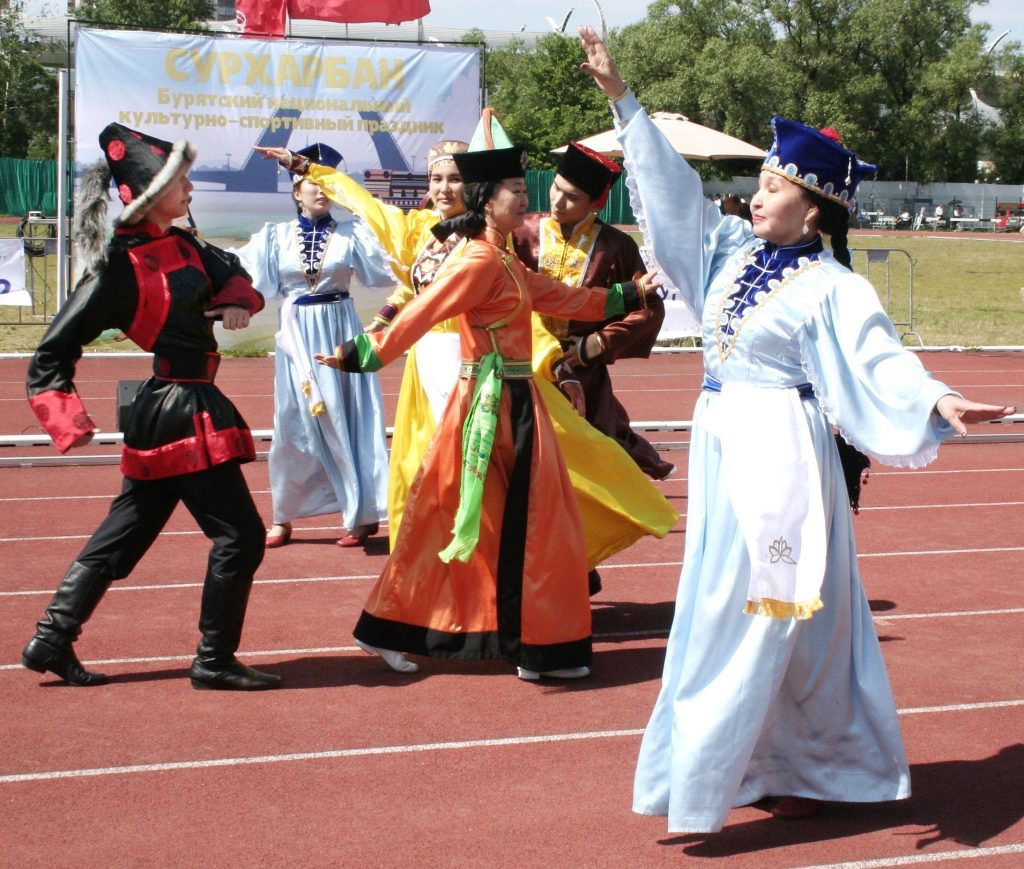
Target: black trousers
(218,499)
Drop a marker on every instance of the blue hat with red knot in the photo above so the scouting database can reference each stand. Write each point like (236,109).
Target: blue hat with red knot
(816,159)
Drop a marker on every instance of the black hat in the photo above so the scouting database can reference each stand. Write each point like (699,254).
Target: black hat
(143,167)
(592,172)
(485,162)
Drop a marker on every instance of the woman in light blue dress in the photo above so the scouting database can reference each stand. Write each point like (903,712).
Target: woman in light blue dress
(774,683)
(329,453)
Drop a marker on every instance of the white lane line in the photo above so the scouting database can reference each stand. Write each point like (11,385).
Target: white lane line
(108,497)
(972,854)
(960,707)
(135,769)
(940,552)
(926,472)
(317,755)
(167,586)
(882,617)
(170,659)
(880,472)
(191,532)
(966,506)
(599,638)
(608,637)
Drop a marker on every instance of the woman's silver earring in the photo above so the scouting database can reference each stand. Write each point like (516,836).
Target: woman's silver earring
(807,229)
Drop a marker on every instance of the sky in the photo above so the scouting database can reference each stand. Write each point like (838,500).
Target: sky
(497,15)
(494,14)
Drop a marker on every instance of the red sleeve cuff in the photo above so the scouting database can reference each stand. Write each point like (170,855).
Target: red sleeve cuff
(238,291)
(63,416)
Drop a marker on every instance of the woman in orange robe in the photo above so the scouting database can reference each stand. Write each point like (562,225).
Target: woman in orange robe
(517,589)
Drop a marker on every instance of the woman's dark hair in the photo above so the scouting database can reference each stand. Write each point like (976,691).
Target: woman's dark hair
(834,221)
(470,223)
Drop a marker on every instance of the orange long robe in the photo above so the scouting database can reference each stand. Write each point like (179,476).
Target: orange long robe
(522,595)
(619,505)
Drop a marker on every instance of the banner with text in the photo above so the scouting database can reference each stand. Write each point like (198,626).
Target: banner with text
(381,105)
(12,273)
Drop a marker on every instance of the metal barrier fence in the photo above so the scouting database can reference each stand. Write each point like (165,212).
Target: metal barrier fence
(42,262)
(891,271)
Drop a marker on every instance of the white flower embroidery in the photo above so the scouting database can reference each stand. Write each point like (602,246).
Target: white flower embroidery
(780,550)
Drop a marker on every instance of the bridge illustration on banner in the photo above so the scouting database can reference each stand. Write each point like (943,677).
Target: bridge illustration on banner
(394,181)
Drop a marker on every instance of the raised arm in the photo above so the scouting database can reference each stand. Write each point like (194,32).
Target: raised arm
(689,237)
(400,235)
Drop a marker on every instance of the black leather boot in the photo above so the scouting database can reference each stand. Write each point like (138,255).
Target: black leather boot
(220,620)
(50,650)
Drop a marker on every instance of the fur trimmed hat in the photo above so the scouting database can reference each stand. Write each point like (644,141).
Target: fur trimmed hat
(143,168)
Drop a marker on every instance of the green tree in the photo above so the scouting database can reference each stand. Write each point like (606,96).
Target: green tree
(542,98)
(28,96)
(147,14)
(1005,141)
(908,84)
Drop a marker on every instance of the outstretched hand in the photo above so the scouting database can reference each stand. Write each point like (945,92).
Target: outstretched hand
(959,411)
(282,155)
(599,64)
(332,361)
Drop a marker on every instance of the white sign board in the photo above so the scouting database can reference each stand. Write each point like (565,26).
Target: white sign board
(12,273)
(381,105)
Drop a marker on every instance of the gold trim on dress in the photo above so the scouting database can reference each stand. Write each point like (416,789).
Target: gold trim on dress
(781,609)
(725,343)
(509,370)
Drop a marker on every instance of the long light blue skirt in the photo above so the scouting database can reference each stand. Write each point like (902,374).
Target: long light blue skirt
(752,706)
(336,462)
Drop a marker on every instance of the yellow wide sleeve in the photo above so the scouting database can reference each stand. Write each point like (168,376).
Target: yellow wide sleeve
(547,350)
(401,235)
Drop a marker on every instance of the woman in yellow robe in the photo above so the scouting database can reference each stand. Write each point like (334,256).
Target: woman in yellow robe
(512,583)
(618,504)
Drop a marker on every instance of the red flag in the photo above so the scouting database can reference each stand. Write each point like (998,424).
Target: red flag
(356,11)
(260,17)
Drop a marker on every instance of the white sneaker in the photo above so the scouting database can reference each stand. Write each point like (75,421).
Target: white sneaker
(395,660)
(565,673)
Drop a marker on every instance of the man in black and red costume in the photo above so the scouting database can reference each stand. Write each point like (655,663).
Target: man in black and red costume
(185,440)
(573,246)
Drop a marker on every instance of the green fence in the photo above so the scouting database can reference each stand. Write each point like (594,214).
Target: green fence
(617,210)
(28,185)
(31,185)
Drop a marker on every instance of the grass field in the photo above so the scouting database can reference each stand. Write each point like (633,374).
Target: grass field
(968,289)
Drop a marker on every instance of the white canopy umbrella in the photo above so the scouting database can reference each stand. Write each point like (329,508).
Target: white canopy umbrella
(694,141)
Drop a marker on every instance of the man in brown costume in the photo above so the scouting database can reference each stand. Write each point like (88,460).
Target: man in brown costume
(573,246)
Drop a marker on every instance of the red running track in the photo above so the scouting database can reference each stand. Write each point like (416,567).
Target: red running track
(463,764)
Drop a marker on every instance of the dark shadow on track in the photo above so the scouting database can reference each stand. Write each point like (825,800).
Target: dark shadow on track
(616,616)
(610,669)
(967,802)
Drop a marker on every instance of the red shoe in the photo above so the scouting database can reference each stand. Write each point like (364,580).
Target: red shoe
(359,535)
(279,535)
(795,808)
